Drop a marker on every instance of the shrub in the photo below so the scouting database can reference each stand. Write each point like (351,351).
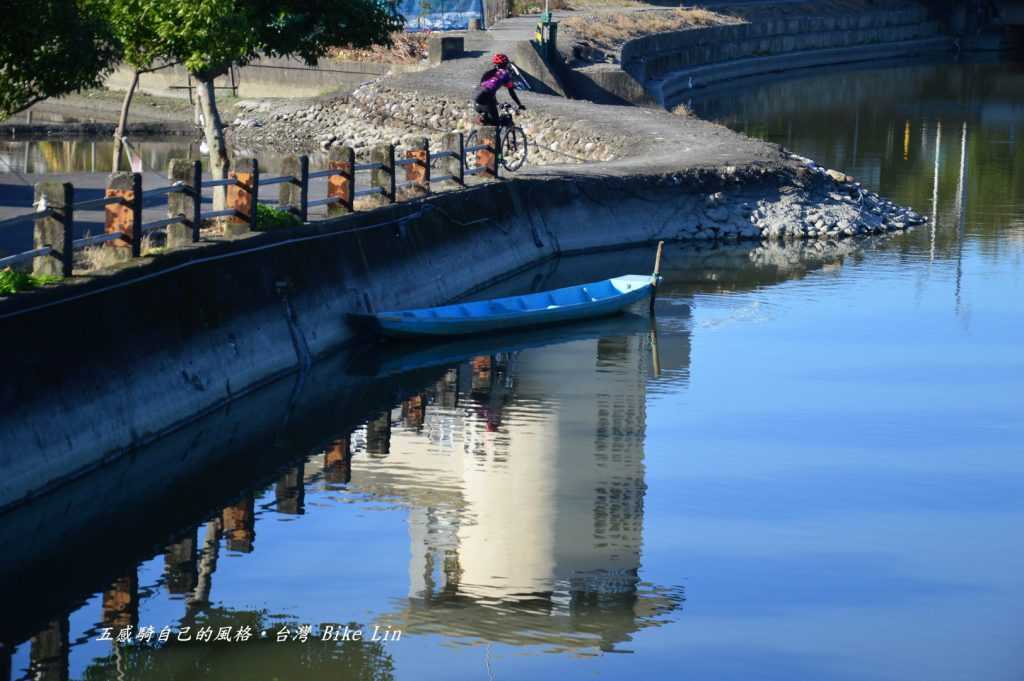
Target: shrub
(270,218)
(13,281)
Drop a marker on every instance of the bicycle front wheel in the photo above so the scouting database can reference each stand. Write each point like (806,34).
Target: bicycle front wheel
(514,148)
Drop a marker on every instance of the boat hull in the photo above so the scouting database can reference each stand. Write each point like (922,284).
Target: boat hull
(514,312)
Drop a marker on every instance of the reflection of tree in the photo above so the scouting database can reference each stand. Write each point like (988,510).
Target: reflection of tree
(258,658)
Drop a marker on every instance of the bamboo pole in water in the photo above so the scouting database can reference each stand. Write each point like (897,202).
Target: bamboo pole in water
(657,273)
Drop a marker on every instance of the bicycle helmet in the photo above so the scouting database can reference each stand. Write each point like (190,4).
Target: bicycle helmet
(500,59)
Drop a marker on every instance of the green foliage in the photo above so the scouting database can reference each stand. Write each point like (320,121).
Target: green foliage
(269,218)
(50,48)
(209,36)
(13,281)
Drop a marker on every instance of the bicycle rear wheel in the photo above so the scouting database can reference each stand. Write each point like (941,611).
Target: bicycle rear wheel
(514,148)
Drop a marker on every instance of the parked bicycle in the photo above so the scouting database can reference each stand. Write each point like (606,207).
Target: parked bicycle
(512,144)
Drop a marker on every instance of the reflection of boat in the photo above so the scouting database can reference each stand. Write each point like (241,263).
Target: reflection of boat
(586,301)
(407,356)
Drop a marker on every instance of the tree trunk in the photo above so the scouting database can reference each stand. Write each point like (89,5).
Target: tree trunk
(213,130)
(122,122)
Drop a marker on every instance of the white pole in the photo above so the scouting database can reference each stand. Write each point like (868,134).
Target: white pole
(935,188)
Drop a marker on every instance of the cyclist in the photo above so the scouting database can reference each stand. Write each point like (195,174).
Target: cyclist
(485,98)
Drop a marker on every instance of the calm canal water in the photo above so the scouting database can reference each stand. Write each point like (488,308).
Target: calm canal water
(813,468)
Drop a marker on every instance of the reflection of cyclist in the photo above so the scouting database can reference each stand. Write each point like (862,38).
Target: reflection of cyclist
(485,97)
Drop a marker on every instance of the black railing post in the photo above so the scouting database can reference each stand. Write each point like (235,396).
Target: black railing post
(304,188)
(197,199)
(136,215)
(424,162)
(67,254)
(254,193)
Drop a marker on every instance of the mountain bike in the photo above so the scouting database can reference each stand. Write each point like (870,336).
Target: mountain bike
(512,142)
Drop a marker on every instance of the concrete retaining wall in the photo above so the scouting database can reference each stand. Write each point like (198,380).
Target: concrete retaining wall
(664,66)
(652,57)
(120,360)
(267,77)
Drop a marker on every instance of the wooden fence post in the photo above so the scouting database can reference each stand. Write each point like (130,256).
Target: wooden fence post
(342,185)
(242,197)
(120,217)
(289,194)
(456,167)
(240,524)
(55,231)
(418,150)
(488,158)
(378,435)
(182,203)
(383,177)
(338,462)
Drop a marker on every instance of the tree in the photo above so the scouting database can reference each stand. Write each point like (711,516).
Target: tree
(210,36)
(51,48)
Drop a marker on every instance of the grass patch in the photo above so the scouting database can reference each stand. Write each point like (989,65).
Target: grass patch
(269,218)
(521,7)
(14,281)
(612,30)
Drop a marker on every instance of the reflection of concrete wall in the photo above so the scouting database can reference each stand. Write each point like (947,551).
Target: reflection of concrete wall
(598,451)
(541,492)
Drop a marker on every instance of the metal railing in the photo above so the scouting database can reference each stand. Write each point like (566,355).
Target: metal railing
(54,221)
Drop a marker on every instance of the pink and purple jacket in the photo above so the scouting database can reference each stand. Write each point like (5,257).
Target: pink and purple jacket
(496,78)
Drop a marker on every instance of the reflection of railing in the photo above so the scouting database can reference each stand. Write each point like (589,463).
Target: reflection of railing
(54,219)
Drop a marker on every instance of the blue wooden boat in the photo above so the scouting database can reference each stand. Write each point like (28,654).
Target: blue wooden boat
(586,301)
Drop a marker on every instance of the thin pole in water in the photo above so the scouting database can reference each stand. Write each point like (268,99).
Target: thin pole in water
(655,356)
(935,188)
(657,273)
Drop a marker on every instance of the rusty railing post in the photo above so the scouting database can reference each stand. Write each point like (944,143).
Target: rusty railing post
(241,197)
(418,150)
(120,217)
(343,184)
(488,158)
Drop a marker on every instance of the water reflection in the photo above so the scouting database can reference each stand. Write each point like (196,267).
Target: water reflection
(941,137)
(518,464)
(543,510)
